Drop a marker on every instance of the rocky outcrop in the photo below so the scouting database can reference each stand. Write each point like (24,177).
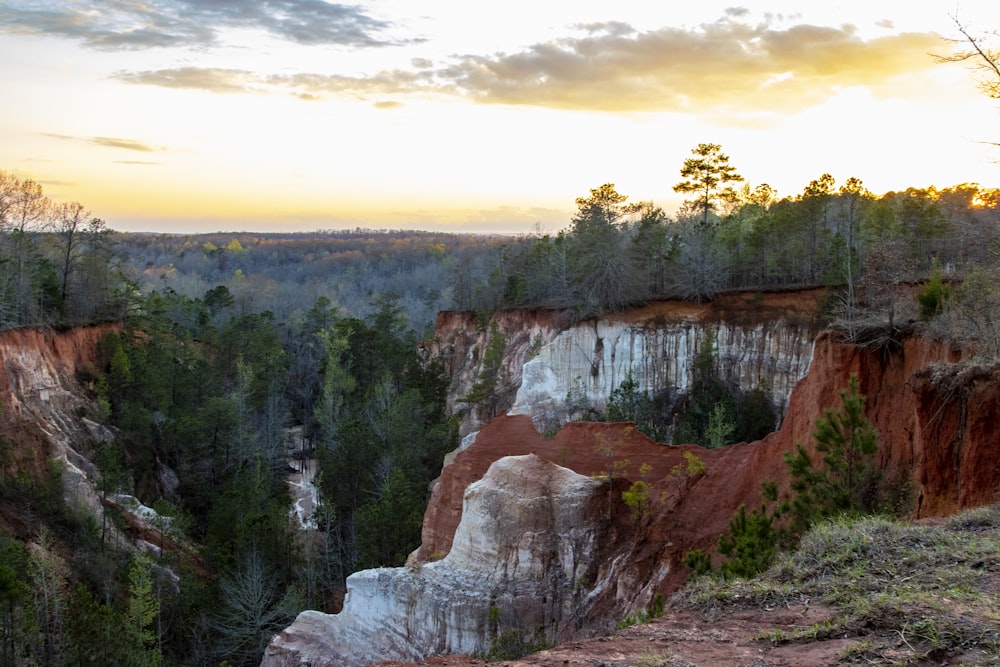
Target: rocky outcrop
(527,542)
(935,413)
(936,417)
(552,364)
(44,415)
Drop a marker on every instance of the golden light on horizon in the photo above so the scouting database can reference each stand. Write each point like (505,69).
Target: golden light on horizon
(253,125)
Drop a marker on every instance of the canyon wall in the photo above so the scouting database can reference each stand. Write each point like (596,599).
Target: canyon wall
(526,542)
(44,414)
(936,416)
(551,364)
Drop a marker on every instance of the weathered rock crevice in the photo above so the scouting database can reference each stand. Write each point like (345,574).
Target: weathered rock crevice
(936,420)
(526,535)
(762,340)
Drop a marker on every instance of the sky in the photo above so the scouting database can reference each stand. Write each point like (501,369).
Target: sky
(474,116)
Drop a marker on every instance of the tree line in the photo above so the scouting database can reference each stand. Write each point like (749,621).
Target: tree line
(56,260)
(615,254)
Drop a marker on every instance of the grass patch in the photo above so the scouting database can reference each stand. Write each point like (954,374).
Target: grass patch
(909,593)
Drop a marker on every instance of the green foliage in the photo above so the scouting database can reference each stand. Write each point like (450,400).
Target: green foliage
(514,644)
(389,528)
(909,593)
(637,498)
(483,394)
(750,544)
(719,429)
(934,294)
(140,616)
(846,482)
(628,404)
(654,610)
(714,413)
(698,561)
(708,175)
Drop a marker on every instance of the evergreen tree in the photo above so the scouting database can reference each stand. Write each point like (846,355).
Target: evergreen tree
(750,543)
(707,176)
(846,443)
(141,614)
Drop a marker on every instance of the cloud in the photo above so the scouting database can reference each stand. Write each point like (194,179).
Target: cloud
(127,24)
(732,66)
(109,142)
(305,85)
(127,144)
(212,79)
(724,66)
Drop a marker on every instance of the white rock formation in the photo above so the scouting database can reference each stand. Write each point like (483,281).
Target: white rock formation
(592,359)
(547,356)
(528,536)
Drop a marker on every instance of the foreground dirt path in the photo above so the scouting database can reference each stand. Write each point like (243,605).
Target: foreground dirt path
(687,639)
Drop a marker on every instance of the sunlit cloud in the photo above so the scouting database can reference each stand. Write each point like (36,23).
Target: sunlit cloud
(215,80)
(729,66)
(108,142)
(126,24)
(127,144)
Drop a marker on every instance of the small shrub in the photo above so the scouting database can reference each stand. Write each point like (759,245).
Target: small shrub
(514,644)
(933,295)
(698,561)
(635,618)
(637,498)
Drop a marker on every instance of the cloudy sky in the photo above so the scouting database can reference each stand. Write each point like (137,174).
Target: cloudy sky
(204,115)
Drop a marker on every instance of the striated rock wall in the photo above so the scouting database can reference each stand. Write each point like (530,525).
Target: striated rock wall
(44,409)
(761,340)
(936,417)
(526,540)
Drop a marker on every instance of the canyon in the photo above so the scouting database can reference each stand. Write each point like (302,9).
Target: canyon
(526,533)
(45,412)
(551,364)
(935,412)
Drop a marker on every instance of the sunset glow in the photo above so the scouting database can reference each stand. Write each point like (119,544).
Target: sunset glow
(176,115)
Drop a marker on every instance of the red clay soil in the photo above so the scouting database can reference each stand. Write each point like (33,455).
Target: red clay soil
(937,421)
(684,638)
(29,451)
(939,434)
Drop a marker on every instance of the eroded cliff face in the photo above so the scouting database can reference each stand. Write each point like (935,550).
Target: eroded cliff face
(551,365)
(936,418)
(935,413)
(526,541)
(44,415)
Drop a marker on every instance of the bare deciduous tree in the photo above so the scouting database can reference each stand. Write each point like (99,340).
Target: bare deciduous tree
(983,59)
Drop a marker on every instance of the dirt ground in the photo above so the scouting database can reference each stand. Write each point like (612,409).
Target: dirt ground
(682,639)
(688,639)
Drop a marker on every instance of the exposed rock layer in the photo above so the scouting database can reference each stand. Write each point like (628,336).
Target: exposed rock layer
(526,541)
(761,340)
(936,421)
(43,415)
(936,416)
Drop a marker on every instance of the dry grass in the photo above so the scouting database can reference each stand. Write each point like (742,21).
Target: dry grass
(910,594)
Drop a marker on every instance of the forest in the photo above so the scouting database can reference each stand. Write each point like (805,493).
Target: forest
(232,344)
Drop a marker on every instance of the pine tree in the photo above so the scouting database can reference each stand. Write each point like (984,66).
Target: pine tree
(750,543)
(141,614)
(846,442)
